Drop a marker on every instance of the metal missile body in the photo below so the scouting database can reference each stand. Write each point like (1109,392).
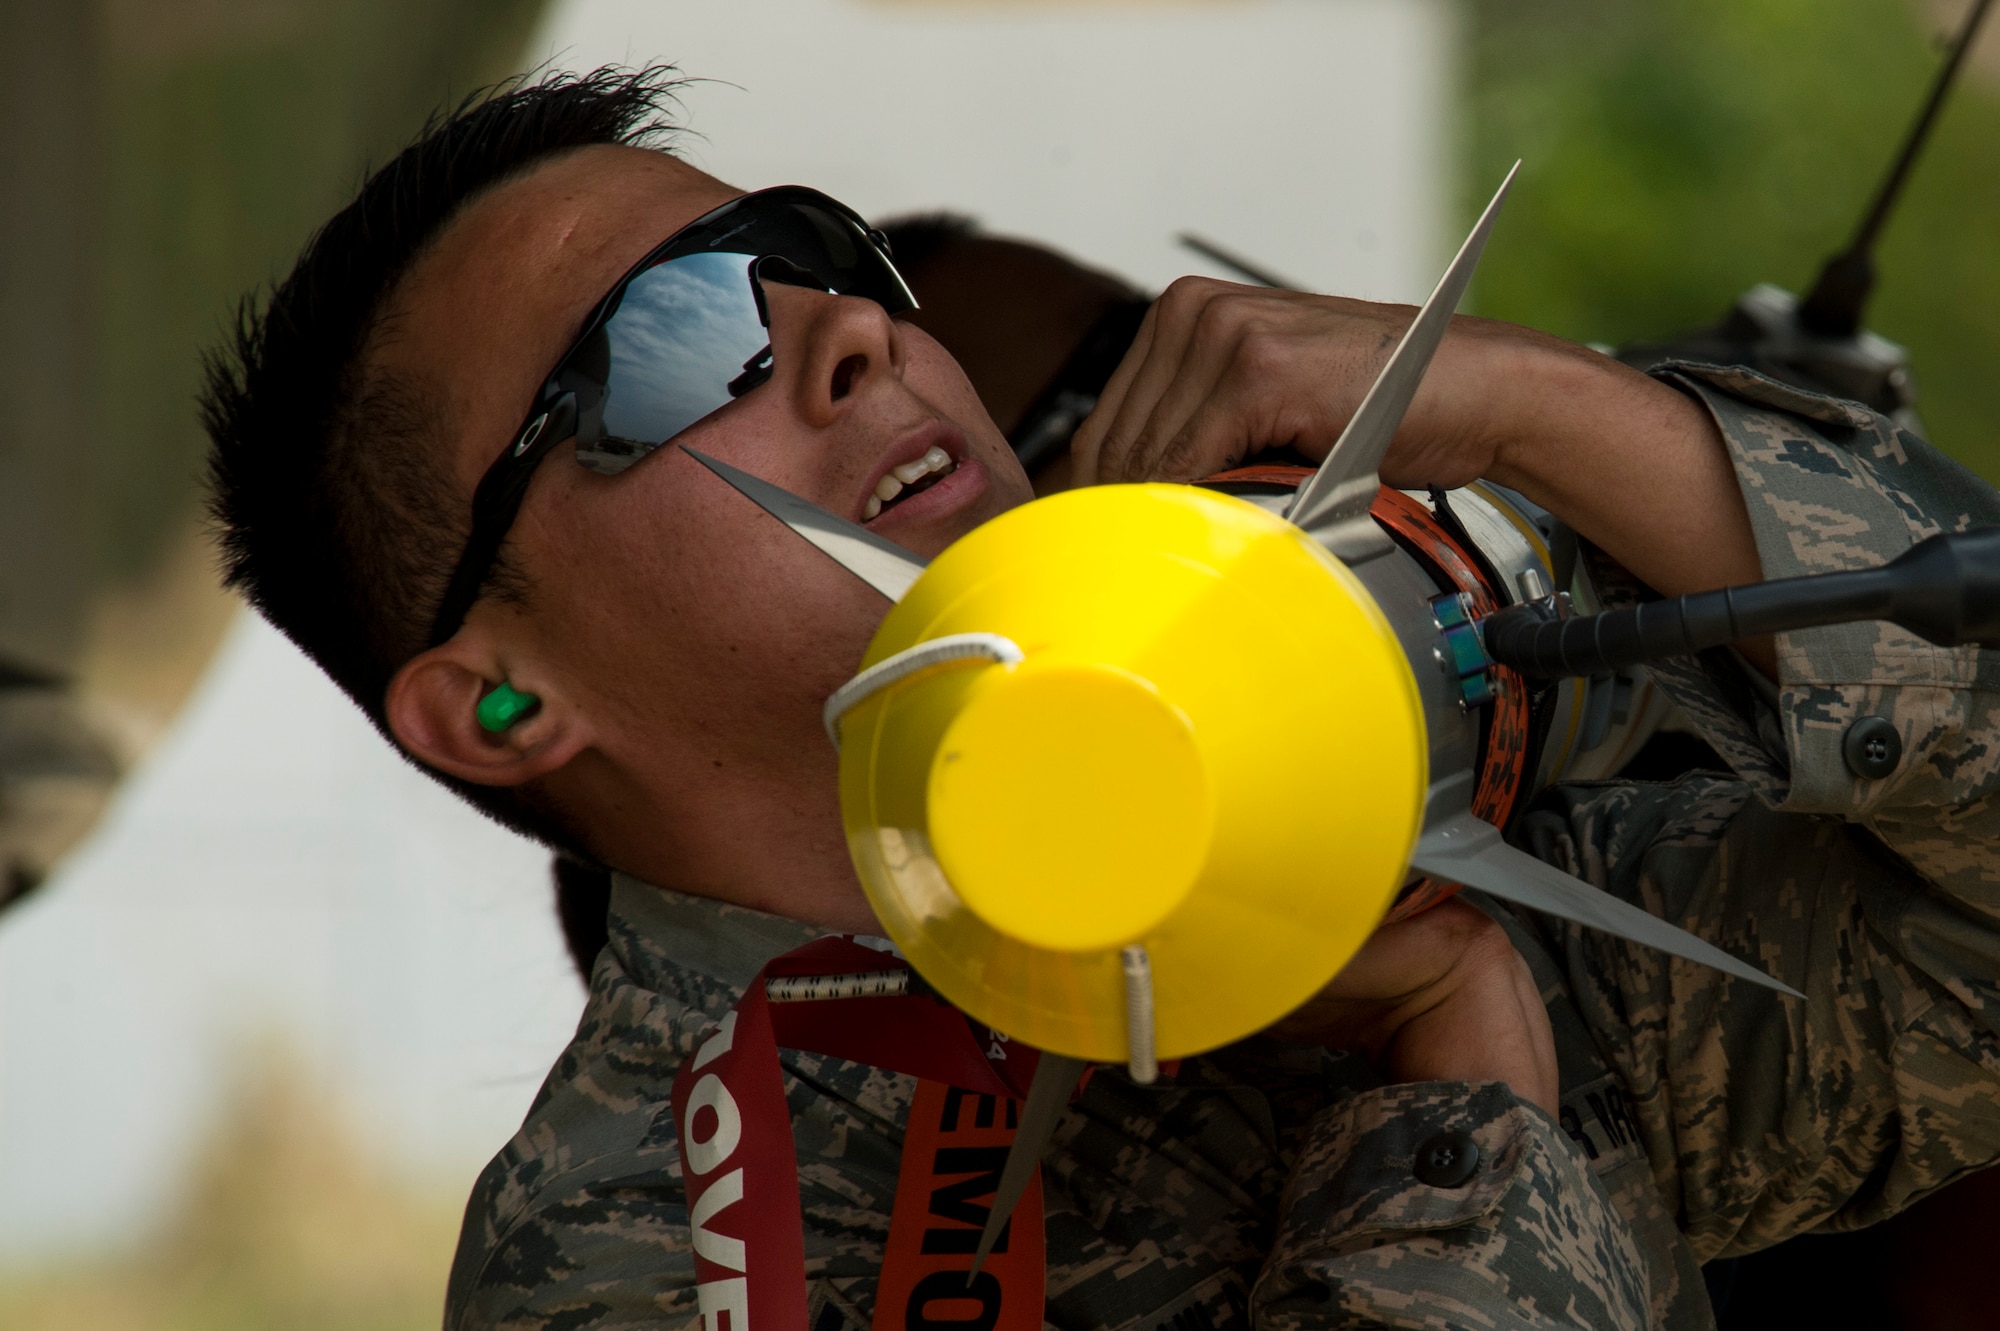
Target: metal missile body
(1459,847)
(1332,508)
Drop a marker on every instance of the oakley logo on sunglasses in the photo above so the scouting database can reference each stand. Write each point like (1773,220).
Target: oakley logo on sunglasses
(531,434)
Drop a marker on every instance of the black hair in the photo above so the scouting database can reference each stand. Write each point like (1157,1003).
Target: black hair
(583,905)
(338,518)
(916,237)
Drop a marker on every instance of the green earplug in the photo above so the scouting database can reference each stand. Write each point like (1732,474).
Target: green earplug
(504,706)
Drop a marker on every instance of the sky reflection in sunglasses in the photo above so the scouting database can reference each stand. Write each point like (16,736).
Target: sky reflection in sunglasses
(682,334)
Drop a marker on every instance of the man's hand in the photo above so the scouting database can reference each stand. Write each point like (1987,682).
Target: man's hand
(1219,372)
(1441,996)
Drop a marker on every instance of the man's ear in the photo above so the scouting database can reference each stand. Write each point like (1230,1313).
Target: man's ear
(433,709)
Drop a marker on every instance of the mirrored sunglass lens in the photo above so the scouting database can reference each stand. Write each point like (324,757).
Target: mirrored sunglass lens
(684,331)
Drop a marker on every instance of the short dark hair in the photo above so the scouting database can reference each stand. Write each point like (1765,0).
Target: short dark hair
(915,237)
(338,518)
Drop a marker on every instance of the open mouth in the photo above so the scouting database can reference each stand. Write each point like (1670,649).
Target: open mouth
(910,478)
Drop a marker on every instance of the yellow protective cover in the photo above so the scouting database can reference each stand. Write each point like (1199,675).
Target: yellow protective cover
(1213,747)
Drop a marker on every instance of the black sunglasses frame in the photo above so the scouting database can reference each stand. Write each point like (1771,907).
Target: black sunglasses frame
(559,411)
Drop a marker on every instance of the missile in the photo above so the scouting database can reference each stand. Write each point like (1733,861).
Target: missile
(1187,548)
(1132,771)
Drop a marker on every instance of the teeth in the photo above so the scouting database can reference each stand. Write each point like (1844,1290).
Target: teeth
(935,459)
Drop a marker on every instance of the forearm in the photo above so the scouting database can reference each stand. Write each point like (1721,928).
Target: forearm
(1219,372)
(1441,996)
(1636,467)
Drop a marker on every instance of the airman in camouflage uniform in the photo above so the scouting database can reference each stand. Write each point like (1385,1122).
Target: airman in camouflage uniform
(1276,1185)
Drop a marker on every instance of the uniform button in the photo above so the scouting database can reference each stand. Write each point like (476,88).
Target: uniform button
(1872,748)
(1447,1160)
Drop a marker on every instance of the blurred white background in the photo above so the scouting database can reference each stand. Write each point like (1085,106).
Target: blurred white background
(1308,134)
(274,871)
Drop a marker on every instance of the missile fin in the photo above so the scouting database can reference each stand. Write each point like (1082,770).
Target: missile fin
(1468,850)
(1048,1094)
(1332,506)
(883,565)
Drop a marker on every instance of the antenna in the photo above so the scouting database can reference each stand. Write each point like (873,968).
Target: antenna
(1833,307)
(1945,589)
(1235,262)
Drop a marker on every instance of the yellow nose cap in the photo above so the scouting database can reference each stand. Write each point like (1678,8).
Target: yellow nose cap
(1069,806)
(1200,684)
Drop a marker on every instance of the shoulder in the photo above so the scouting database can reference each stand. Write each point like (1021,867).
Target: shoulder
(601,1252)
(581,1219)
(1856,486)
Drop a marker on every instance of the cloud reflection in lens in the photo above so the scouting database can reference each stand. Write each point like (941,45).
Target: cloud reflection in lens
(682,332)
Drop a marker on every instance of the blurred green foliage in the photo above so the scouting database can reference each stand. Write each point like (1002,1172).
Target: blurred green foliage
(1679,151)
(230,129)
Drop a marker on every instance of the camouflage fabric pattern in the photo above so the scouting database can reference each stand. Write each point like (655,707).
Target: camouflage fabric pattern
(1164,1205)
(1274,1186)
(1358,1226)
(1880,899)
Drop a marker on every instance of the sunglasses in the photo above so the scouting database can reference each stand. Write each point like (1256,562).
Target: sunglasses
(683,334)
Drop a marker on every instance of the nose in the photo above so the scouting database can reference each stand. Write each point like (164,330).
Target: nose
(825,349)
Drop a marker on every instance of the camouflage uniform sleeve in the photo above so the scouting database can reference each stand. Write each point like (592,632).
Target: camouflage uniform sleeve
(1527,1238)
(602,1257)
(1880,898)
(1831,485)
(581,1221)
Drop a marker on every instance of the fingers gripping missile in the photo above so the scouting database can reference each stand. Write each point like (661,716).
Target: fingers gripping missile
(1055,1078)
(883,565)
(1333,505)
(1468,850)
